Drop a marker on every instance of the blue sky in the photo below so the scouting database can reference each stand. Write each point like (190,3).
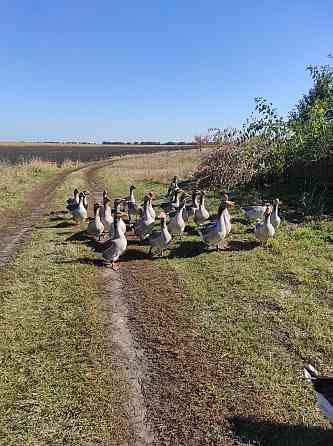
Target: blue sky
(158,70)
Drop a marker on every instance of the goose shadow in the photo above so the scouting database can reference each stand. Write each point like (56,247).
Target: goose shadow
(64,224)
(265,433)
(240,220)
(187,249)
(100,263)
(243,245)
(56,218)
(80,236)
(134,254)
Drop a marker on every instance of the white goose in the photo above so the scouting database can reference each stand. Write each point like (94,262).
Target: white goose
(264,230)
(159,240)
(131,203)
(150,205)
(145,223)
(214,233)
(79,212)
(201,214)
(226,214)
(275,219)
(323,387)
(106,217)
(113,249)
(120,222)
(176,225)
(95,227)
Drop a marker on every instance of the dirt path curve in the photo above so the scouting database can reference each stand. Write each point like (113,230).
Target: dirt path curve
(18,226)
(132,425)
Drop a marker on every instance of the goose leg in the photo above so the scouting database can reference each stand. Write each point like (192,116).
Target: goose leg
(115,266)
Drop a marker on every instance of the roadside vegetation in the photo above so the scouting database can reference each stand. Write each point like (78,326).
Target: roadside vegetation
(17,181)
(271,153)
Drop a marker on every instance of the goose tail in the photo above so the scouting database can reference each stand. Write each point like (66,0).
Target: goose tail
(310,372)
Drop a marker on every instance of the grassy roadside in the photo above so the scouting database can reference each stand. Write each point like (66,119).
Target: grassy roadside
(247,321)
(19,180)
(55,382)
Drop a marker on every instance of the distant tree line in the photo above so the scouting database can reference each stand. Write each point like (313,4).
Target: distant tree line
(149,143)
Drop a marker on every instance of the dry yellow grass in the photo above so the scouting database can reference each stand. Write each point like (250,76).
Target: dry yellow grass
(158,166)
(16,180)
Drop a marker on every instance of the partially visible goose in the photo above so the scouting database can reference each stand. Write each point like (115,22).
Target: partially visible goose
(114,248)
(176,225)
(79,212)
(172,205)
(72,202)
(159,240)
(226,214)
(253,212)
(264,230)
(213,234)
(150,205)
(85,199)
(132,207)
(189,210)
(323,387)
(275,219)
(201,214)
(104,197)
(95,227)
(120,222)
(106,217)
(145,223)
(173,187)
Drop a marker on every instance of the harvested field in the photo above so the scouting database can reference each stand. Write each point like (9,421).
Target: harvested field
(14,153)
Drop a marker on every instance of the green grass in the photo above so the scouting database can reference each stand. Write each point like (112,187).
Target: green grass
(55,382)
(269,311)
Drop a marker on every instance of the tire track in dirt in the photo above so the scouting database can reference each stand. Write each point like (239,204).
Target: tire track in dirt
(131,422)
(18,227)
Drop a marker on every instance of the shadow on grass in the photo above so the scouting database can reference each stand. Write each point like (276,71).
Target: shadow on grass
(274,434)
(100,263)
(187,249)
(80,236)
(64,224)
(240,220)
(243,245)
(134,254)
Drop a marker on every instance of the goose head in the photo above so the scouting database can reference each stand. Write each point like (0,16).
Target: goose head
(162,219)
(132,187)
(76,192)
(267,212)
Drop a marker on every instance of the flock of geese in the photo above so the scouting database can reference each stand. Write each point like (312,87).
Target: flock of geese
(177,211)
